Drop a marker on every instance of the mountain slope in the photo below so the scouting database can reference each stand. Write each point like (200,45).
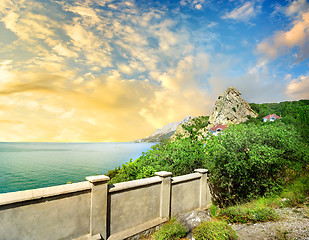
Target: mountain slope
(163,133)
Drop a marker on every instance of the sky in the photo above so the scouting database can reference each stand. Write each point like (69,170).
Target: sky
(114,71)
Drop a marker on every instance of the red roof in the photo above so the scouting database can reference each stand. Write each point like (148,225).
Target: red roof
(219,126)
(271,116)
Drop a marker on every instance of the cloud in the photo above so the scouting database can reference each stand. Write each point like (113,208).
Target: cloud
(243,13)
(64,51)
(196,4)
(111,71)
(298,88)
(296,7)
(282,42)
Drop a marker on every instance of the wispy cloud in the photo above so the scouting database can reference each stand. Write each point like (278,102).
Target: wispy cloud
(243,13)
(296,7)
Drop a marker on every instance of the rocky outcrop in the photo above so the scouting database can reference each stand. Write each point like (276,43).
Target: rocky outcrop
(230,108)
(192,219)
(181,131)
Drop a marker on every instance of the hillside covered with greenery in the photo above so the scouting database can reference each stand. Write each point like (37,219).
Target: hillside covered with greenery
(248,160)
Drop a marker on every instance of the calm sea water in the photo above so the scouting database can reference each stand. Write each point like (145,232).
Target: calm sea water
(34,165)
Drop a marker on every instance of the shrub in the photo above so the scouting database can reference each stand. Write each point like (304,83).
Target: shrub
(248,161)
(179,157)
(241,214)
(214,230)
(171,230)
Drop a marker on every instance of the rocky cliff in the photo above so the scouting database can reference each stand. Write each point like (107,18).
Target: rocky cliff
(230,108)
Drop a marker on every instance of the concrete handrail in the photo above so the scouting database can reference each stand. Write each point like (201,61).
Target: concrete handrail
(133,184)
(185,178)
(21,196)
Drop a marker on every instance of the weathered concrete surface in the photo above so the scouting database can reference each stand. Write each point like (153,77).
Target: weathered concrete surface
(165,194)
(133,207)
(91,210)
(98,208)
(59,217)
(185,196)
(139,230)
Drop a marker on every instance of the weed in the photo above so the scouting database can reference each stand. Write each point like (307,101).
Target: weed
(243,214)
(214,230)
(213,211)
(171,230)
(281,234)
(296,192)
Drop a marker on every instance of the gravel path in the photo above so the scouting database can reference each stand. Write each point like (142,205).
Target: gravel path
(293,224)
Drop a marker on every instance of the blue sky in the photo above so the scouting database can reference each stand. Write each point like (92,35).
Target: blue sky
(104,70)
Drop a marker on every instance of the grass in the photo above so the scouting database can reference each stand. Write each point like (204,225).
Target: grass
(294,194)
(213,211)
(244,214)
(170,230)
(262,209)
(214,230)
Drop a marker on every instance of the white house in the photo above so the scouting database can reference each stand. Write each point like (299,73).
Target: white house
(271,118)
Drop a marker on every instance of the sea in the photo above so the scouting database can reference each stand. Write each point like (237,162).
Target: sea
(26,166)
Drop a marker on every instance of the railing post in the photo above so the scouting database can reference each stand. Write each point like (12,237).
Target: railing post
(205,198)
(98,208)
(165,199)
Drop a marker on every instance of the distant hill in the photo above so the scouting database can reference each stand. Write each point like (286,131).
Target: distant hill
(163,133)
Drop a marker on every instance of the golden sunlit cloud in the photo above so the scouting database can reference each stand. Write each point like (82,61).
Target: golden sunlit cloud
(282,42)
(298,88)
(115,71)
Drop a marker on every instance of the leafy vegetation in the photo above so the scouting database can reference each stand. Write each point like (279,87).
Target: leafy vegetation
(214,230)
(293,194)
(241,214)
(196,124)
(170,231)
(248,160)
(294,112)
(179,157)
(213,211)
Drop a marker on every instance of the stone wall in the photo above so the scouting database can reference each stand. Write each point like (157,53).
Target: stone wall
(96,210)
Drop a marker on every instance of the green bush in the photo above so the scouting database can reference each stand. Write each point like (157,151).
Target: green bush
(214,230)
(179,157)
(171,230)
(241,214)
(248,161)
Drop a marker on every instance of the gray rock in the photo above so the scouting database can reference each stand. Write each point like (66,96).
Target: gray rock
(230,108)
(192,219)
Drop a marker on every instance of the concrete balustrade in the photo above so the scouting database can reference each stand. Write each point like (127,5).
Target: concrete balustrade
(97,210)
